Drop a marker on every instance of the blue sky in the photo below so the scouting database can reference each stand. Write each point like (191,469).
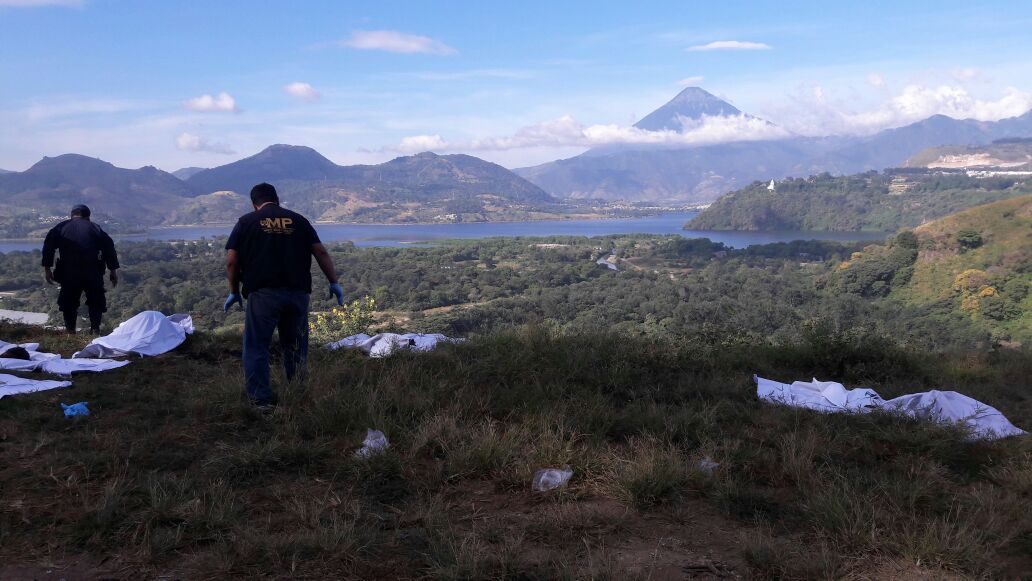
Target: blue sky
(188,83)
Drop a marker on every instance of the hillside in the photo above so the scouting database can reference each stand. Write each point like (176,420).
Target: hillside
(980,261)
(699,174)
(172,477)
(420,188)
(1000,155)
(872,201)
(122,198)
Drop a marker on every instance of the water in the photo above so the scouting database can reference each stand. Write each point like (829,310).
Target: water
(409,234)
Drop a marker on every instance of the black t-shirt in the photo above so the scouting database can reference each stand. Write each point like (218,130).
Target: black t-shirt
(274,248)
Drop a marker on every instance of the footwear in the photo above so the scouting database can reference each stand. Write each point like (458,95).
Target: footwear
(265,408)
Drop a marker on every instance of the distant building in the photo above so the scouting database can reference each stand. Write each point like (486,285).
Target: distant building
(770,186)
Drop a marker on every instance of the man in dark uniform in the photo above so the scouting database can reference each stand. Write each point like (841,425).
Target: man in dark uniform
(270,251)
(85,250)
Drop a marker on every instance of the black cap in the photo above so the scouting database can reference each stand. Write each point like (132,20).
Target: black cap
(81,210)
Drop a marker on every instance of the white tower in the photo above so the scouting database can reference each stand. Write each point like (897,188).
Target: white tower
(770,186)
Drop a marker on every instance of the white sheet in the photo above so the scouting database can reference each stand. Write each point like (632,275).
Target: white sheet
(11,385)
(147,334)
(384,344)
(984,421)
(52,362)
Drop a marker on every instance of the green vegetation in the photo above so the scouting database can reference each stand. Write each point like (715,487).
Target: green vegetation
(882,202)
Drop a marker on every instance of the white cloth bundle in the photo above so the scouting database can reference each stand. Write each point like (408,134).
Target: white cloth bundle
(984,421)
(147,334)
(384,344)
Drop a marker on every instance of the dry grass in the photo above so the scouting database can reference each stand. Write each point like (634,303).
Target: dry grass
(172,475)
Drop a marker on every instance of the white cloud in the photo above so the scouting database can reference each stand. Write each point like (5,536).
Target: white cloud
(394,41)
(875,80)
(196,143)
(690,81)
(302,92)
(418,143)
(812,113)
(35,3)
(966,74)
(568,132)
(221,103)
(730,45)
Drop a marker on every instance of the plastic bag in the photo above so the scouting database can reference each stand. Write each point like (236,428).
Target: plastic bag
(374,443)
(551,478)
(75,409)
(707,465)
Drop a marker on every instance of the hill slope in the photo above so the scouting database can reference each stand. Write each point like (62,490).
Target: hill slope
(419,188)
(872,201)
(123,198)
(171,476)
(980,261)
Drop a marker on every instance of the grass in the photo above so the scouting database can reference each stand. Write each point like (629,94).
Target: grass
(173,476)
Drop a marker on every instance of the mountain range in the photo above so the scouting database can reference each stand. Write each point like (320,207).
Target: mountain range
(420,188)
(701,174)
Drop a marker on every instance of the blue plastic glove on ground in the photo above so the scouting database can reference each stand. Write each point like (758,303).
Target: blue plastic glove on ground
(232,299)
(76,409)
(337,291)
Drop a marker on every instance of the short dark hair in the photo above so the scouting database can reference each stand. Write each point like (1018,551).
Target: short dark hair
(81,210)
(263,193)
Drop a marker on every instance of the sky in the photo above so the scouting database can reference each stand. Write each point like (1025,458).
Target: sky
(204,83)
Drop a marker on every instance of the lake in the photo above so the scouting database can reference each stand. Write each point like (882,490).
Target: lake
(409,234)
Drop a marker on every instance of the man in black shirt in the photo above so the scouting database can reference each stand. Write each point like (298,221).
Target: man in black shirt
(85,250)
(270,251)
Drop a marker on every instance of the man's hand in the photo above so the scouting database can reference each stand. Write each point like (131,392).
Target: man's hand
(231,300)
(49,275)
(113,277)
(337,291)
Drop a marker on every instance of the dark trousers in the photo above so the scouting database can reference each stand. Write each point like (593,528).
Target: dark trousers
(71,292)
(269,309)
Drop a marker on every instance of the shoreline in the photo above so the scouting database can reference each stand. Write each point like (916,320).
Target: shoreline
(558,218)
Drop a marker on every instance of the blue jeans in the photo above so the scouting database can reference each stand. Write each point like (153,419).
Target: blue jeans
(269,309)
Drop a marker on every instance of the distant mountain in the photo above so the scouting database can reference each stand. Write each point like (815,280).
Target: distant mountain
(126,197)
(691,103)
(186,172)
(275,163)
(883,202)
(419,188)
(700,174)
(3,171)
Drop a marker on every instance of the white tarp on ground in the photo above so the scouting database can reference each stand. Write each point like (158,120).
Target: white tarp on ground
(384,344)
(52,362)
(11,385)
(147,334)
(983,420)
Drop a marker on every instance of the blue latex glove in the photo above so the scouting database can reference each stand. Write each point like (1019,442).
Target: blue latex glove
(231,300)
(76,409)
(337,291)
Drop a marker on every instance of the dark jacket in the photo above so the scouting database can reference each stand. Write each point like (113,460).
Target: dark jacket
(85,249)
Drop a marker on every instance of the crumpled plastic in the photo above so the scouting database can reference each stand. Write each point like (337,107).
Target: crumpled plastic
(75,409)
(707,465)
(375,443)
(551,478)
